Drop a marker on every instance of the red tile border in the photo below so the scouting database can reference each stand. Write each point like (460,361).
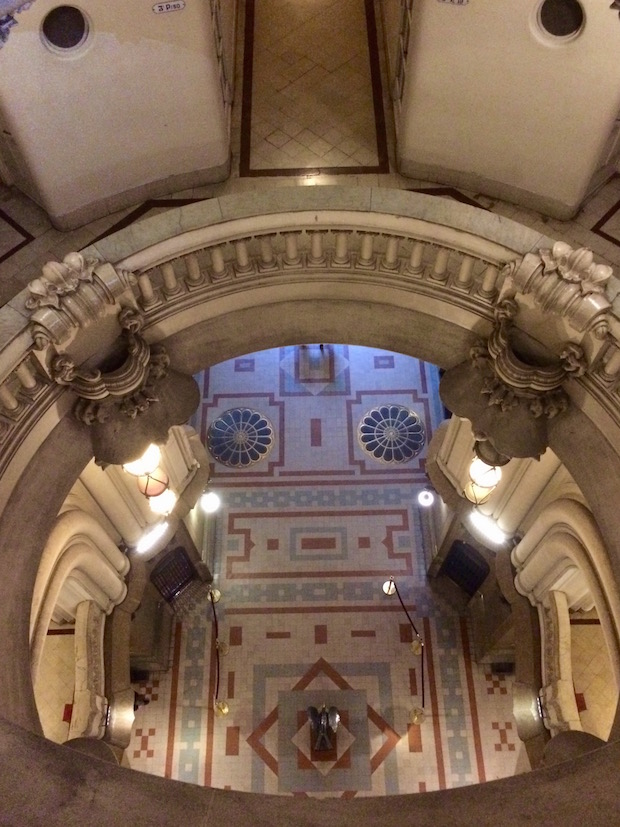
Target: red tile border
(473,706)
(430,672)
(232,560)
(414,734)
(320,634)
(174,688)
(232,740)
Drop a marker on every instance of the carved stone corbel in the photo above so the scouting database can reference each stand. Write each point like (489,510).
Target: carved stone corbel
(71,295)
(79,306)
(509,398)
(133,404)
(513,382)
(567,283)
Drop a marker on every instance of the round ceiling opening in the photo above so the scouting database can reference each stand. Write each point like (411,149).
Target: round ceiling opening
(561,18)
(64,28)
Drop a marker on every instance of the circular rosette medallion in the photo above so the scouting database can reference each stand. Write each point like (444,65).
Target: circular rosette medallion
(391,434)
(240,437)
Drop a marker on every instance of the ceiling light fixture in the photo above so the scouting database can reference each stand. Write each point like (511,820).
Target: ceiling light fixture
(153,484)
(163,503)
(426,498)
(145,464)
(483,479)
(210,502)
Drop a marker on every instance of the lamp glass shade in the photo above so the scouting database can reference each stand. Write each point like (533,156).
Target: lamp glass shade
(476,494)
(154,484)
(146,464)
(389,587)
(163,503)
(483,475)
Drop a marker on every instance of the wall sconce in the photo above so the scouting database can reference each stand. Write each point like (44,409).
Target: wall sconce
(389,588)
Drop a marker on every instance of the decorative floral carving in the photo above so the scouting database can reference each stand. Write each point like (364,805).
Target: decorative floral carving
(131,387)
(72,294)
(59,279)
(565,283)
(576,266)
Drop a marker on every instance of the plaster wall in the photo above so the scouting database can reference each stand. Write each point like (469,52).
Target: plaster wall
(492,103)
(147,91)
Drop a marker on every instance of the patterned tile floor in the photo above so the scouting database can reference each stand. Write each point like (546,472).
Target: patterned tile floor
(55,685)
(173,732)
(314,76)
(595,685)
(304,542)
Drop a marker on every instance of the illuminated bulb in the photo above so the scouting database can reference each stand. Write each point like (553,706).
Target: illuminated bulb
(148,540)
(146,464)
(163,503)
(426,498)
(486,476)
(210,502)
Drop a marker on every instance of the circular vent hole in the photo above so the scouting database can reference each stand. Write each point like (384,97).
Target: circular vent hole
(561,18)
(65,27)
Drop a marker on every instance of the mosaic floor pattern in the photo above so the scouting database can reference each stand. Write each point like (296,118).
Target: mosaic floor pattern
(304,542)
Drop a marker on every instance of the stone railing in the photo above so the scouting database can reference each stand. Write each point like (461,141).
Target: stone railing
(440,256)
(358,238)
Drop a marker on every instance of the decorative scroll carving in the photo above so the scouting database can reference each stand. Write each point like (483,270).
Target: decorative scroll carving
(567,283)
(71,295)
(514,395)
(131,387)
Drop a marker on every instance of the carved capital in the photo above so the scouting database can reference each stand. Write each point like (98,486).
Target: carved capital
(567,283)
(71,295)
(509,395)
(131,387)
